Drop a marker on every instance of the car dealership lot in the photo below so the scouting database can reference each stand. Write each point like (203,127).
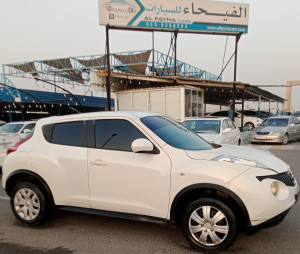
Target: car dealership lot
(69,232)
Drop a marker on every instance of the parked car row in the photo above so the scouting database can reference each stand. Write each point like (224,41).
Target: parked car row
(145,166)
(11,133)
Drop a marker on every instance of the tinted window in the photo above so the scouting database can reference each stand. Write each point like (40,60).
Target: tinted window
(116,134)
(69,134)
(175,134)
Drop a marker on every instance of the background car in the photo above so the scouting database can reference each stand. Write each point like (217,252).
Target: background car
(250,122)
(215,130)
(11,133)
(280,129)
(252,113)
(297,114)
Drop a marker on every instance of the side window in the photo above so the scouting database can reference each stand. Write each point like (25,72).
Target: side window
(29,126)
(224,125)
(68,134)
(296,120)
(116,134)
(292,121)
(231,124)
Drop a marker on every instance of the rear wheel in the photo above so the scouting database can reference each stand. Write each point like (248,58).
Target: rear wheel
(28,203)
(285,139)
(209,225)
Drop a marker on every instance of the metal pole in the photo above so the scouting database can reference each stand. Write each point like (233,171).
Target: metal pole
(108,70)
(175,52)
(153,54)
(243,106)
(237,38)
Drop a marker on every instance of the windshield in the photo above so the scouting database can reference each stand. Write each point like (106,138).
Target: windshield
(11,128)
(175,134)
(276,122)
(203,126)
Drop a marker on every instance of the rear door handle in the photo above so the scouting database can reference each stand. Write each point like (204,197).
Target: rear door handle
(98,163)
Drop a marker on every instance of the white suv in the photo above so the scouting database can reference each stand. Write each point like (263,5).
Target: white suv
(141,165)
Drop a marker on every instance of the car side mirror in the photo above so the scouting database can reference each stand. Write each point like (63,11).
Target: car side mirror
(142,145)
(26,131)
(227,130)
(292,124)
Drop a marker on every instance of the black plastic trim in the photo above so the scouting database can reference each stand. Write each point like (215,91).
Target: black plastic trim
(28,172)
(128,216)
(215,187)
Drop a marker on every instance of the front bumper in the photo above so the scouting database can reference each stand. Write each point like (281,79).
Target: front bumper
(266,139)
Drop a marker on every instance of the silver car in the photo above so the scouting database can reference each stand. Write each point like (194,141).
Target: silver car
(280,129)
(215,130)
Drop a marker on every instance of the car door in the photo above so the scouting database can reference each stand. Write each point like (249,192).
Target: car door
(225,136)
(121,180)
(297,122)
(234,134)
(61,158)
(292,129)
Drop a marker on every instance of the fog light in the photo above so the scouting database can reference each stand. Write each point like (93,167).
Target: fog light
(274,188)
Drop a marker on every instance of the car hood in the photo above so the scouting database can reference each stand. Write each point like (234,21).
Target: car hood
(207,136)
(269,129)
(264,157)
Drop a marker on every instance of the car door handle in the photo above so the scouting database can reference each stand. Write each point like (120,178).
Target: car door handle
(98,163)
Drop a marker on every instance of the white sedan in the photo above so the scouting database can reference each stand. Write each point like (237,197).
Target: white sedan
(215,130)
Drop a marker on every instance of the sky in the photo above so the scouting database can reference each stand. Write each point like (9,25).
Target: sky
(268,55)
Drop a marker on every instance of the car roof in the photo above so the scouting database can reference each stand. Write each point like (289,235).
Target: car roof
(207,118)
(130,114)
(22,122)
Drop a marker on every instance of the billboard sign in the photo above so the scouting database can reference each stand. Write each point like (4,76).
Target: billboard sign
(188,15)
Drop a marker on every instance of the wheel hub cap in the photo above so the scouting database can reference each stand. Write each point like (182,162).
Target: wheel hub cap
(208,225)
(27,204)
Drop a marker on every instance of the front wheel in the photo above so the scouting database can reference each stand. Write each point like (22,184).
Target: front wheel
(28,203)
(209,225)
(285,139)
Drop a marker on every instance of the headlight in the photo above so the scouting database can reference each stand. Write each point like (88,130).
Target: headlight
(241,161)
(252,132)
(276,133)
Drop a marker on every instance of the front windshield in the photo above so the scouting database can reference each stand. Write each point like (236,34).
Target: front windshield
(203,126)
(276,122)
(175,134)
(11,128)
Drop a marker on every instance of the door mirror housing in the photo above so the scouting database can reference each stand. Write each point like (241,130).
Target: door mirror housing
(292,124)
(142,145)
(227,130)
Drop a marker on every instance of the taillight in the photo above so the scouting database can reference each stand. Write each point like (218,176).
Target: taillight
(14,147)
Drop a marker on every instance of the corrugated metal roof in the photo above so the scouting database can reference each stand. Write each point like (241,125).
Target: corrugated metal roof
(55,98)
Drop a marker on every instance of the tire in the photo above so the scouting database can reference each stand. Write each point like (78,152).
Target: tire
(210,233)
(28,203)
(285,139)
(250,125)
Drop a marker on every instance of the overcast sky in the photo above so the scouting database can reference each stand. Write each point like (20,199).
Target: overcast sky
(268,55)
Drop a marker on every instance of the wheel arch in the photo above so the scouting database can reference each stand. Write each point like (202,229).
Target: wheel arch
(24,175)
(218,192)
